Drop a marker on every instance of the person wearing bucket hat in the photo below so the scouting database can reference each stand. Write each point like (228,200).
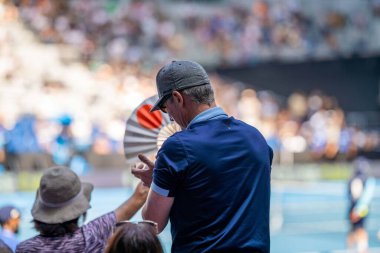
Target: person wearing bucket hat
(212,179)
(61,200)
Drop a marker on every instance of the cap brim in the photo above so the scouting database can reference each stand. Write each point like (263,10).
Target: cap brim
(159,103)
(156,106)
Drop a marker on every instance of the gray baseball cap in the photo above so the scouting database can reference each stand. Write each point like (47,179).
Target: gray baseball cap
(178,75)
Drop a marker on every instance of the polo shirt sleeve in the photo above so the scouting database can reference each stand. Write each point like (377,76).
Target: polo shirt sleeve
(270,155)
(169,168)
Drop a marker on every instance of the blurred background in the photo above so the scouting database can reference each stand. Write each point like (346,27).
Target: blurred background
(305,73)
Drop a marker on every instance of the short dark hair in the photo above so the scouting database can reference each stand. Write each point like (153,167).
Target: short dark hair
(134,238)
(60,229)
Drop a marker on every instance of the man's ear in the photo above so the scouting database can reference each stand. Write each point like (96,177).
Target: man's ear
(178,97)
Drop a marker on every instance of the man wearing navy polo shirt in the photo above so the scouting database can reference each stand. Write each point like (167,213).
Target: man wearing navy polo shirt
(212,179)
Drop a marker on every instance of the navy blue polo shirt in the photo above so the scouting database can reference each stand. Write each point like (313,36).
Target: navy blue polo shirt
(218,171)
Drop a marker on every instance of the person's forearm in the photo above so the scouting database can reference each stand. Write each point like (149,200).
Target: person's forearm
(143,212)
(129,208)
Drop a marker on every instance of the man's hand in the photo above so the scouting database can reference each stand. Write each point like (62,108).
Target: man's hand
(144,171)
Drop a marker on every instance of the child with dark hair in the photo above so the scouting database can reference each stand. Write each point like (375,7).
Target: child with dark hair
(140,237)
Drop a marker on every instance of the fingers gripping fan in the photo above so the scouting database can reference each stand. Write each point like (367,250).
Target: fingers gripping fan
(146,131)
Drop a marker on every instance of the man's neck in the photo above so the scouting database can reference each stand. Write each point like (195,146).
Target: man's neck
(200,109)
(203,107)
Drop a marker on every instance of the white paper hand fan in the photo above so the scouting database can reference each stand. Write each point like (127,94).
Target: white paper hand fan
(146,131)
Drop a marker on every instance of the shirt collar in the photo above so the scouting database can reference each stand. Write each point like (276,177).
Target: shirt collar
(212,113)
(8,233)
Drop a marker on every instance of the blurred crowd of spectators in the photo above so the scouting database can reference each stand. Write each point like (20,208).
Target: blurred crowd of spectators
(52,105)
(228,32)
(306,122)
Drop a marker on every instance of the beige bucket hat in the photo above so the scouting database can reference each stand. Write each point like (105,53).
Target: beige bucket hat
(61,196)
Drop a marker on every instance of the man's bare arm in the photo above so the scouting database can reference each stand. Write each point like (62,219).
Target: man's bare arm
(157,208)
